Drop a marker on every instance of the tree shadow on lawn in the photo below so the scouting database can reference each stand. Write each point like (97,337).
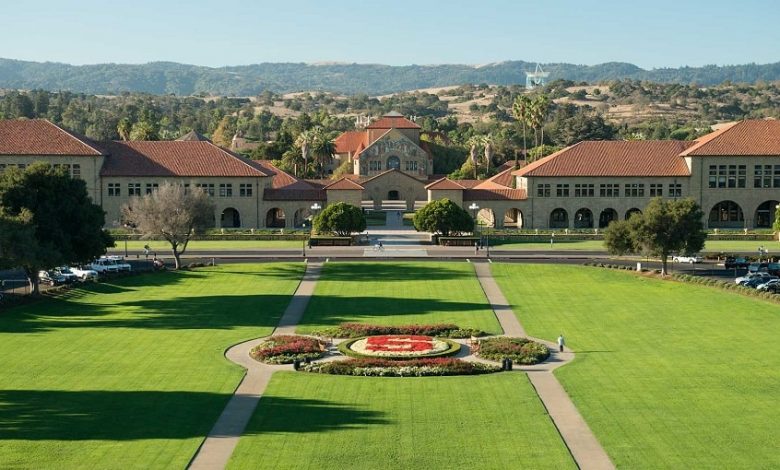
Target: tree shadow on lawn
(388,272)
(129,415)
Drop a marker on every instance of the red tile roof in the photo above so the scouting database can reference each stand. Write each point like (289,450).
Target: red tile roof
(175,158)
(470,183)
(286,194)
(393,122)
(281,179)
(344,184)
(613,158)
(41,137)
(444,183)
(350,141)
(744,138)
(494,194)
(502,179)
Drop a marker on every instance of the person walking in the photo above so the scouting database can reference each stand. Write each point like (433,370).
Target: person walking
(561,343)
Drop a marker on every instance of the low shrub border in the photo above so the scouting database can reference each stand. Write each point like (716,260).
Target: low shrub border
(407,368)
(285,349)
(520,350)
(357,330)
(344,348)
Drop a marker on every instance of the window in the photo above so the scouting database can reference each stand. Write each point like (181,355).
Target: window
(766,176)
(225,190)
(609,190)
(2,167)
(584,190)
(411,165)
(207,188)
(542,190)
(562,190)
(114,189)
(675,190)
(76,173)
(635,190)
(728,176)
(22,166)
(151,187)
(186,187)
(374,166)
(245,190)
(656,190)
(134,189)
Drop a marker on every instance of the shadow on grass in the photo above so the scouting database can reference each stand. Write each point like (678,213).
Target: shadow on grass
(388,272)
(292,415)
(121,416)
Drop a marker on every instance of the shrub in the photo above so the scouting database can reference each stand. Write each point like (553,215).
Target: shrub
(520,350)
(357,330)
(285,349)
(405,368)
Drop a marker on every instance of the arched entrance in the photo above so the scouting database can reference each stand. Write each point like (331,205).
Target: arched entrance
(765,214)
(607,216)
(393,163)
(632,211)
(559,218)
(274,218)
(726,214)
(393,195)
(486,217)
(583,218)
(300,216)
(513,218)
(230,218)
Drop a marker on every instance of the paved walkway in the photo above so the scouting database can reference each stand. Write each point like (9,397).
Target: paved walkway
(219,445)
(583,445)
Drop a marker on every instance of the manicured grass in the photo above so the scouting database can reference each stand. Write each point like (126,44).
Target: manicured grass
(668,375)
(376,218)
(399,293)
(164,248)
(132,373)
(713,246)
(329,422)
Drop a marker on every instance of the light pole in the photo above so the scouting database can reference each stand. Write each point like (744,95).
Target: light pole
(474,208)
(552,239)
(314,209)
(305,238)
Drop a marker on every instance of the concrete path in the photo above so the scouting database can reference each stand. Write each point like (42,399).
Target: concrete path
(583,445)
(219,445)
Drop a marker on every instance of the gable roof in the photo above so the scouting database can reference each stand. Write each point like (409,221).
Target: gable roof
(344,184)
(350,141)
(613,158)
(192,135)
(387,172)
(501,180)
(393,120)
(444,183)
(281,179)
(495,194)
(751,137)
(42,137)
(175,158)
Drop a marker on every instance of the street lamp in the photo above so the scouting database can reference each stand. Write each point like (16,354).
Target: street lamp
(304,239)
(474,208)
(314,209)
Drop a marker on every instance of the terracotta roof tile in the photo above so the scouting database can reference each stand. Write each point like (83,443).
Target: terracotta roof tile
(344,184)
(41,137)
(175,158)
(613,158)
(393,122)
(494,194)
(502,179)
(470,183)
(350,141)
(281,179)
(746,138)
(444,183)
(286,194)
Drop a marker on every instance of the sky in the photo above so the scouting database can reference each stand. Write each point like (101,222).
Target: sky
(650,34)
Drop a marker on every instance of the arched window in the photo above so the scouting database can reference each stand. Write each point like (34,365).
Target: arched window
(607,216)
(559,218)
(726,214)
(393,163)
(583,218)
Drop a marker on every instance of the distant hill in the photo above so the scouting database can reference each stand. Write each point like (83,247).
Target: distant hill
(373,79)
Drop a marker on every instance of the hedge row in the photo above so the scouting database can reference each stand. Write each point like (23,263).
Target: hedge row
(520,350)
(357,330)
(285,349)
(405,368)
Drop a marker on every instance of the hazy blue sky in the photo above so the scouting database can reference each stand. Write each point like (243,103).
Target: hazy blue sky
(229,32)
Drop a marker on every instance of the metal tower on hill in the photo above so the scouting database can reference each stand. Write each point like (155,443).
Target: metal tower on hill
(536,78)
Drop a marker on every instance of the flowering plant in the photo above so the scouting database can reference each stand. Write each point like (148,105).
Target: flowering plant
(284,349)
(398,346)
(370,367)
(520,350)
(357,330)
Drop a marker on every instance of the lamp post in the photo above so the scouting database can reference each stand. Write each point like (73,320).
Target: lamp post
(305,238)
(474,208)
(314,209)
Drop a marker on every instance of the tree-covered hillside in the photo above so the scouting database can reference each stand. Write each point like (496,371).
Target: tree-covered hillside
(181,79)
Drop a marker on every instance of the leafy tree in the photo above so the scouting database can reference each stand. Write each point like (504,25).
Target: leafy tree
(143,130)
(223,134)
(17,239)
(173,213)
(473,144)
(776,225)
(663,228)
(322,149)
(61,223)
(444,217)
(124,127)
(340,218)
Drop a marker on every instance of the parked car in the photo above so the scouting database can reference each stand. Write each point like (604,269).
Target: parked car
(51,278)
(736,263)
(757,281)
(758,267)
(773,269)
(84,274)
(64,271)
(774,288)
(767,285)
(687,259)
(119,262)
(104,266)
(749,276)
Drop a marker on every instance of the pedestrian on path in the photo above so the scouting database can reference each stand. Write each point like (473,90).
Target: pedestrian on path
(561,343)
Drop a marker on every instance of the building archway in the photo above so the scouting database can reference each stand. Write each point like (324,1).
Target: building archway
(607,216)
(230,218)
(275,218)
(513,218)
(583,218)
(765,214)
(486,217)
(301,215)
(726,214)
(632,211)
(559,218)
(393,163)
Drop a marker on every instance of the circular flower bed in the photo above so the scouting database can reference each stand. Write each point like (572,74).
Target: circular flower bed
(520,350)
(399,347)
(285,349)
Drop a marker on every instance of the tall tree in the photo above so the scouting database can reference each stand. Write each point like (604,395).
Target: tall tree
(520,110)
(66,226)
(322,149)
(663,228)
(304,142)
(473,144)
(776,225)
(488,143)
(173,213)
(124,127)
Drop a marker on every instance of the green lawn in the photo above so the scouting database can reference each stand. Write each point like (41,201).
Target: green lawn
(330,422)
(668,375)
(376,218)
(399,293)
(130,374)
(164,248)
(714,246)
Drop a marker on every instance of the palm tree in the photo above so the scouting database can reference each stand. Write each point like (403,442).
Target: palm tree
(539,108)
(304,141)
(488,142)
(474,143)
(322,148)
(520,109)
